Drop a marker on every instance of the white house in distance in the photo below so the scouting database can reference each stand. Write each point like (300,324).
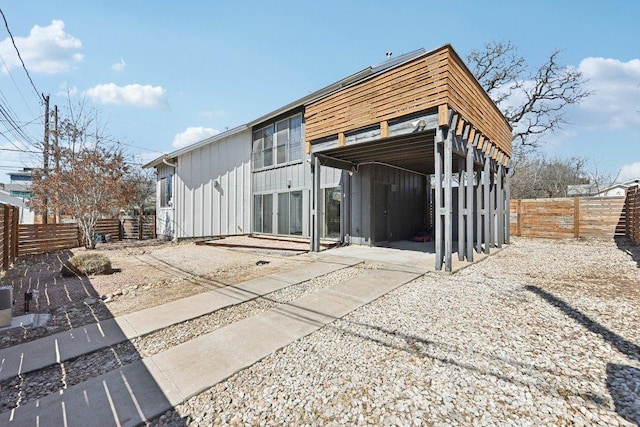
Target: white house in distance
(354,162)
(589,190)
(17,193)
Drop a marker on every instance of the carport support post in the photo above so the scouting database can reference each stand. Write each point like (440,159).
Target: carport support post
(479,210)
(469,194)
(438,148)
(461,209)
(507,216)
(500,207)
(448,196)
(315,210)
(486,187)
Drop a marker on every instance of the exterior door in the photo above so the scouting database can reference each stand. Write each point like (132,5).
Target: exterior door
(381,211)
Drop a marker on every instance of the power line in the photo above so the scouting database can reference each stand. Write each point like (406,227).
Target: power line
(6,24)
(19,150)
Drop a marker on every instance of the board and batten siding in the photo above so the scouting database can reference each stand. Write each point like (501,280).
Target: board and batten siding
(212,188)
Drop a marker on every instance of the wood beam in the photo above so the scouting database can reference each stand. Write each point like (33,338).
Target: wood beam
(460,127)
(443,115)
(341,139)
(384,129)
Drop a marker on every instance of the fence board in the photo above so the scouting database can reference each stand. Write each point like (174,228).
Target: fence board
(632,205)
(9,218)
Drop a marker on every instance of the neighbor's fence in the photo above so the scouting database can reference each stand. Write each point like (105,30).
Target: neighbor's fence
(632,206)
(9,219)
(588,217)
(40,238)
(140,227)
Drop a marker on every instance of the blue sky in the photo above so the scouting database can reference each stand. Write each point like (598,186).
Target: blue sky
(163,74)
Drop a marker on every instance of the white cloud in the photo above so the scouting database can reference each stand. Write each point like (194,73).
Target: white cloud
(119,66)
(193,134)
(134,94)
(615,102)
(47,50)
(630,171)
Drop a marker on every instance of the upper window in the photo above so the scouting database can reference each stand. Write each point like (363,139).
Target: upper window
(278,143)
(166,191)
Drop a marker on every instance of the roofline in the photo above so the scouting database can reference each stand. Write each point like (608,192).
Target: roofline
(355,78)
(188,148)
(348,81)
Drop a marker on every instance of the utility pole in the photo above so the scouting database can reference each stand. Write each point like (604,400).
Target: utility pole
(45,156)
(56,160)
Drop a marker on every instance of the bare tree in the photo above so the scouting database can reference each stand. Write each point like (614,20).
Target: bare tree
(533,100)
(88,181)
(538,177)
(142,183)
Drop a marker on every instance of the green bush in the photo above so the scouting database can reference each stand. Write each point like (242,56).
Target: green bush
(87,264)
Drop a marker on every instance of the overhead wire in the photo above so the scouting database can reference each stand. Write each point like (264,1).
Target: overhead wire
(6,24)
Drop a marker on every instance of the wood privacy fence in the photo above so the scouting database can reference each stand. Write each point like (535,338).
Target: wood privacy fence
(632,206)
(9,217)
(587,217)
(28,239)
(40,238)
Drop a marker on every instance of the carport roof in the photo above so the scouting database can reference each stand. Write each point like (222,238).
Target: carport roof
(413,152)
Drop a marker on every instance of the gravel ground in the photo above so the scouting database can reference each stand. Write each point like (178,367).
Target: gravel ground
(545,332)
(147,273)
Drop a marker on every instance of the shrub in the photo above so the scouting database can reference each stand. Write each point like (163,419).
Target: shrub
(87,264)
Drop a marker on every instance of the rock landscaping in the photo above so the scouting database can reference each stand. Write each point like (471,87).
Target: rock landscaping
(544,332)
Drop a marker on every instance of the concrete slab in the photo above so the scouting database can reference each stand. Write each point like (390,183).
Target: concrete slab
(418,257)
(146,389)
(63,346)
(124,397)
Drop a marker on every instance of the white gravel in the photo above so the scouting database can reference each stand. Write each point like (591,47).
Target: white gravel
(482,347)
(543,333)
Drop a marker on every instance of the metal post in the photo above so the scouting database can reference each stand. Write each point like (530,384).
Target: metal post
(461,209)
(438,155)
(315,243)
(448,172)
(500,207)
(507,225)
(486,184)
(479,210)
(469,194)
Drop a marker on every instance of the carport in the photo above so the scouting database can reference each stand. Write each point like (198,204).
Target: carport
(421,115)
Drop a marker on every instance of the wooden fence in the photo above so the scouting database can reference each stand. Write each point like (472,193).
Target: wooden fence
(587,217)
(140,227)
(632,206)
(40,238)
(9,218)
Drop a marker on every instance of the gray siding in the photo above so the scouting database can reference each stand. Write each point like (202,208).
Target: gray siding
(293,177)
(212,189)
(406,203)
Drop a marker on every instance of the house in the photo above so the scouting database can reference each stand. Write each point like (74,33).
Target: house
(593,190)
(355,162)
(17,193)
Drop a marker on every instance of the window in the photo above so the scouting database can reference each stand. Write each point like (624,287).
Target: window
(263,213)
(166,191)
(332,199)
(278,143)
(290,213)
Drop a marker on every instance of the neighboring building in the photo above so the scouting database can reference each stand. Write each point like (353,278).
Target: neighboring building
(354,162)
(593,190)
(17,193)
